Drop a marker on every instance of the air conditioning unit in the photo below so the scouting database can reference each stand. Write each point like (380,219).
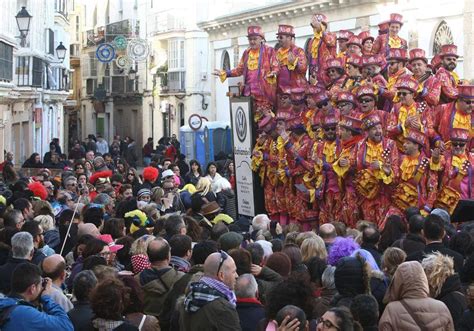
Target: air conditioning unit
(203,75)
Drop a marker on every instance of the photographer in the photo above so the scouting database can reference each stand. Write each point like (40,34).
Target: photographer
(19,311)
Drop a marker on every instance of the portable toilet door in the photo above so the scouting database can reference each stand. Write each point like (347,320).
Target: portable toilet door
(187,137)
(201,151)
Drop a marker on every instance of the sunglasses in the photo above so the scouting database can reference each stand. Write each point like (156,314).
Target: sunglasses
(467,102)
(330,128)
(366,100)
(131,174)
(458,144)
(224,257)
(403,94)
(322,104)
(343,104)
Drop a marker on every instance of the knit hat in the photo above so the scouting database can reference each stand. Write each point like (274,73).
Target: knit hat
(230,240)
(349,276)
(38,190)
(87,228)
(150,174)
(280,263)
(142,192)
(99,164)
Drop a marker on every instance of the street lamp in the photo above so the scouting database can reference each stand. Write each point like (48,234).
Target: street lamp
(132,74)
(23,19)
(61,51)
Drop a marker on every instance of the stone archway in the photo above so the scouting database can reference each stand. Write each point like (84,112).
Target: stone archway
(225,64)
(442,36)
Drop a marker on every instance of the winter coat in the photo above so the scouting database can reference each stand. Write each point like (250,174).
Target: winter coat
(6,272)
(467,321)
(409,287)
(25,316)
(250,311)
(438,247)
(227,201)
(156,284)
(217,315)
(453,298)
(412,243)
(81,316)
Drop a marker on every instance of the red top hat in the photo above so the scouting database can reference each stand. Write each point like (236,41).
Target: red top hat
(346,97)
(355,60)
(334,63)
(329,121)
(436,61)
(449,50)
(407,82)
(368,60)
(297,93)
(459,134)
(383,27)
(321,18)
(350,123)
(365,35)
(284,114)
(397,54)
(365,90)
(322,96)
(354,40)
(418,54)
(466,91)
(255,30)
(416,136)
(396,18)
(267,124)
(344,34)
(287,30)
(371,121)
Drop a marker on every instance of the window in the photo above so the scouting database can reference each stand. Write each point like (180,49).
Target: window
(181,54)
(37,72)
(181,114)
(50,41)
(23,70)
(176,54)
(6,62)
(77,28)
(226,61)
(443,36)
(90,85)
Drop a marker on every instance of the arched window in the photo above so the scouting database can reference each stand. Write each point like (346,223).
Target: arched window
(225,61)
(443,36)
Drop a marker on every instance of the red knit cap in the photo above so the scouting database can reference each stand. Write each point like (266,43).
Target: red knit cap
(38,190)
(150,174)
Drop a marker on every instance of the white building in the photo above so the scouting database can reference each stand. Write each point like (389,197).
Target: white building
(428,24)
(33,81)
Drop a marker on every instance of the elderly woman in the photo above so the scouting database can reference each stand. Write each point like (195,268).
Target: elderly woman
(50,233)
(445,284)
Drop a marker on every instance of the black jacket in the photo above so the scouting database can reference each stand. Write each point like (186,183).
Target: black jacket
(467,321)
(453,298)
(250,313)
(438,247)
(81,316)
(6,272)
(227,201)
(374,251)
(411,244)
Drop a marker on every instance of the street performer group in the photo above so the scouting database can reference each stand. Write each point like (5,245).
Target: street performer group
(357,126)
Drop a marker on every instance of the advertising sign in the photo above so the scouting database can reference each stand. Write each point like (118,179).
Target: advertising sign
(242,137)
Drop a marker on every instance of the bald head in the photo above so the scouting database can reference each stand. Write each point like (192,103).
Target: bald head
(159,251)
(226,273)
(54,267)
(327,232)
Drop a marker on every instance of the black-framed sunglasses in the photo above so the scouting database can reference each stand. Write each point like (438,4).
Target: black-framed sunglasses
(366,100)
(467,102)
(343,104)
(329,128)
(224,257)
(131,174)
(458,144)
(322,104)
(403,94)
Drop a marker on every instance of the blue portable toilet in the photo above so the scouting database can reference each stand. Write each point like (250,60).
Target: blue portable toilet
(205,143)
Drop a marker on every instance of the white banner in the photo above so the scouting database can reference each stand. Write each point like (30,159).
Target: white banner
(241,119)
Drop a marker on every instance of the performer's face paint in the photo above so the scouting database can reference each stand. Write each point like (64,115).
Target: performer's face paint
(449,62)
(375,133)
(393,29)
(418,67)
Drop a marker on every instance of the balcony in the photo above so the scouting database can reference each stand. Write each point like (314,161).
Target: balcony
(173,82)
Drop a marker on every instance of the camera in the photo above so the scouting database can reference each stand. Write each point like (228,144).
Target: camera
(44,282)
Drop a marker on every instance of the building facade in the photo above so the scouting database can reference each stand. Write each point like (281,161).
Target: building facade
(428,25)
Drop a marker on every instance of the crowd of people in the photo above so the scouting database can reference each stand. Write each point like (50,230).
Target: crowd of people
(357,235)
